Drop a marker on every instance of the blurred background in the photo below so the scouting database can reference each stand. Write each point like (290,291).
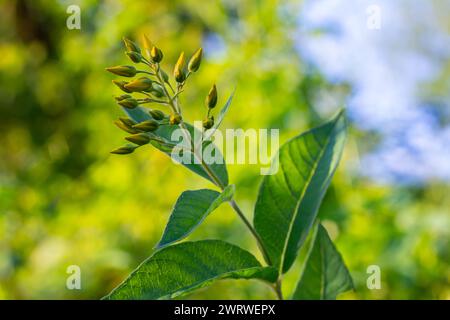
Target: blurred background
(64,200)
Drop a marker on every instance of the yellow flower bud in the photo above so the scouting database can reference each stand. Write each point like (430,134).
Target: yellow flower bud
(178,71)
(131,46)
(175,119)
(121,85)
(157,114)
(164,75)
(123,97)
(211,98)
(134,56)
(208,123)
(125,71)
(147,125)
(156,54)
(195,61)
(127,149)
(147,45)
(127,121)
(140,84)
(129,103)
(124,127)
(140,139)
(157,90)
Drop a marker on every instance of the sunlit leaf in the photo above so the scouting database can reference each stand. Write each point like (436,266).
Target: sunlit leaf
(191,208)
(181,268)
(288,201)
(324,274)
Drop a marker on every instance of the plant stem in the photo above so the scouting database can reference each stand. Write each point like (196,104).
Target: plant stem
(146,72)
(173,102)
(238,210)
(150,100)
(234,205)
(277,289)
(214,178)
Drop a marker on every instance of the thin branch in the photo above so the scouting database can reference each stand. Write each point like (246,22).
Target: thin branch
(146,72)
(173,102)
(277,289)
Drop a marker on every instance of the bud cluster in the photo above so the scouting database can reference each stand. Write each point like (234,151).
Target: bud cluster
(156,87)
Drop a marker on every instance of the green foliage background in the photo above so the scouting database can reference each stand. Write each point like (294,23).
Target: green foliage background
(65,200)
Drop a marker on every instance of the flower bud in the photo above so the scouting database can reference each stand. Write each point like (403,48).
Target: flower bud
(147,125)
(140,139)
(124,127)
(140,84)
(129,103)
(211,98)
(195,61)
(156,54)
(175,119)
(131,46)
(157,90)
(134,56)
(178,71)
(127,121)
(157,114)
(127,149)
(121,85)
(125,71)
(165,147)
(123,97)
(208,123)
(164,75)
(162,146)
(147,45)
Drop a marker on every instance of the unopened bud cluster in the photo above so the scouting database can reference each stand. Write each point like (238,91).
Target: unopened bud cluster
(154,84)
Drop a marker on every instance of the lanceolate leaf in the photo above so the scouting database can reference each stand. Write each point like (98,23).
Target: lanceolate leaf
(181,268)
(288,201)
(191,208)
(325,274)
(139,114)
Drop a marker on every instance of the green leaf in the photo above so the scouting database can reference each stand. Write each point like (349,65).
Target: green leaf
(139,114)
(191,208)
(219,119)
(181,268)
(288,201)
(324,275)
